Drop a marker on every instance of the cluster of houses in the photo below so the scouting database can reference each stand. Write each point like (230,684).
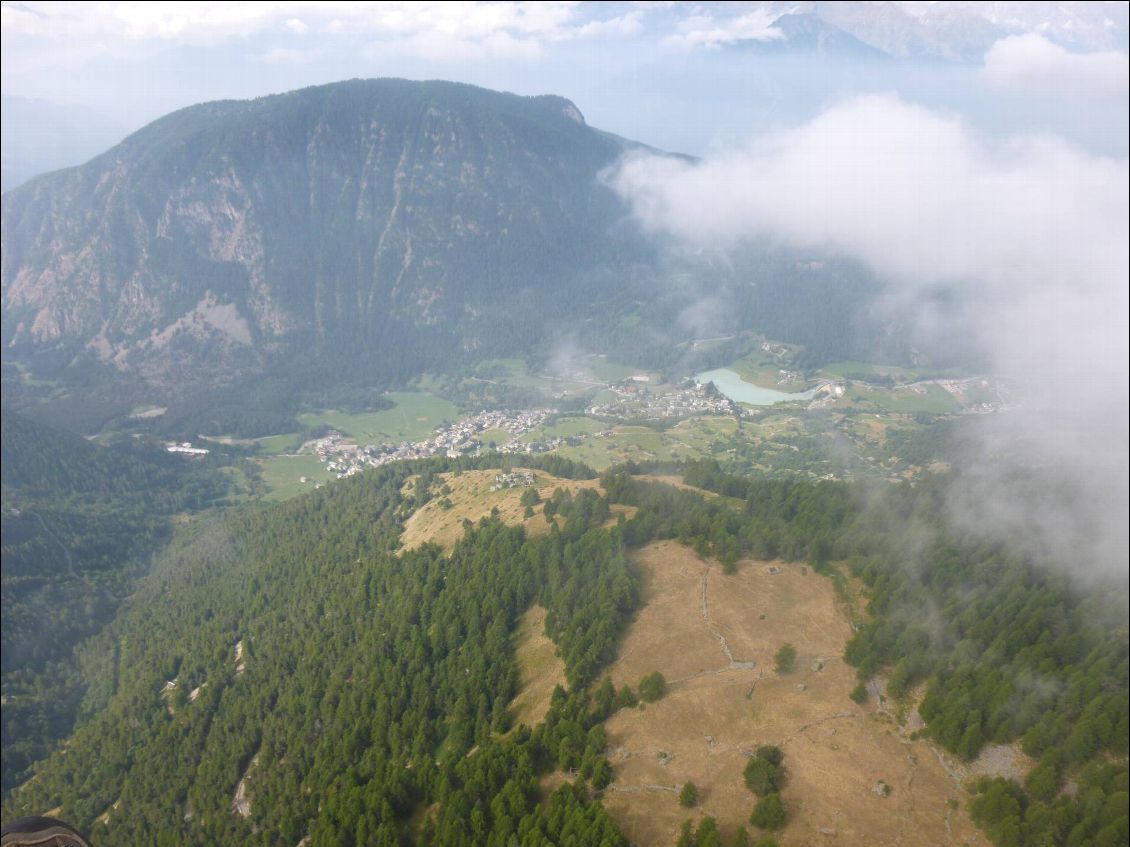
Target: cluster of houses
(635,402)
(344,458)
(513,479)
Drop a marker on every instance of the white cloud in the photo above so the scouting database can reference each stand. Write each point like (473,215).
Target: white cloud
(447,46)
(1032,62)
(1032,233)
(627,24)
(198,21)
(469,29)
(703,31)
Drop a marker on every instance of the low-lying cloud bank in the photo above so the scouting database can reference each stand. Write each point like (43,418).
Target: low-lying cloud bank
(1031,61)
(1032,236)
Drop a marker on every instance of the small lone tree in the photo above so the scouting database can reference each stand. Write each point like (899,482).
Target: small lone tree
(761,777)
(652,687)
(763,773)
(786,659)
(770,753)
(688,797)
(769,813)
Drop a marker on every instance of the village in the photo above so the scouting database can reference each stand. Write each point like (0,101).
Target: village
(344,458)
(636,401)
(631,399)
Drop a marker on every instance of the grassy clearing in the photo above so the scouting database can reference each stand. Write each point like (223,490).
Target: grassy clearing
(610,371)
(540,667)
(605,452)
(414,417)
(472,499)
(513,372)
(565,427)
(718,710)
(282,475)
(930,398)
(867,370)
(275,444)
(497,436)
(695,438)
(762,369)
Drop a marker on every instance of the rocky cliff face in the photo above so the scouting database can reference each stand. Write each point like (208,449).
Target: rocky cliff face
(357,218)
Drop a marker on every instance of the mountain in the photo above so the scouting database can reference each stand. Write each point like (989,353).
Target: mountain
(903,31)
(807,32)
(921,31)
(1082,27)
(37,136)
(235,261)
(379,222)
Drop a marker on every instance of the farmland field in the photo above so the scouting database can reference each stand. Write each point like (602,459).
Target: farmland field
(414,417)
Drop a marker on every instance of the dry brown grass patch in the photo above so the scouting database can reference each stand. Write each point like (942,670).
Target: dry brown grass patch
(472,499)
(540,668)
(719,709)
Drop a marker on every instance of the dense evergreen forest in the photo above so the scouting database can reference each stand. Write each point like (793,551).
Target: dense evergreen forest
(288,672)
(78,524)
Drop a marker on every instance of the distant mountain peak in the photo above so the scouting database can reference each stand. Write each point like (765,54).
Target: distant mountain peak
(807,31)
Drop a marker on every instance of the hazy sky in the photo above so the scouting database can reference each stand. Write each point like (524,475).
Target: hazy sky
(680,76)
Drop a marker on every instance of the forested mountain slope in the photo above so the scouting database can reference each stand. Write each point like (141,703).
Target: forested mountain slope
(78,524)
(359,218)
(287,672)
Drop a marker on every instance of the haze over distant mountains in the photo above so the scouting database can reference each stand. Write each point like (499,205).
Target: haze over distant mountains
(150,61)
(40,136)
(964,31)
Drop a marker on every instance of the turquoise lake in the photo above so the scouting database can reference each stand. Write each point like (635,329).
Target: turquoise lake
(737,389)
